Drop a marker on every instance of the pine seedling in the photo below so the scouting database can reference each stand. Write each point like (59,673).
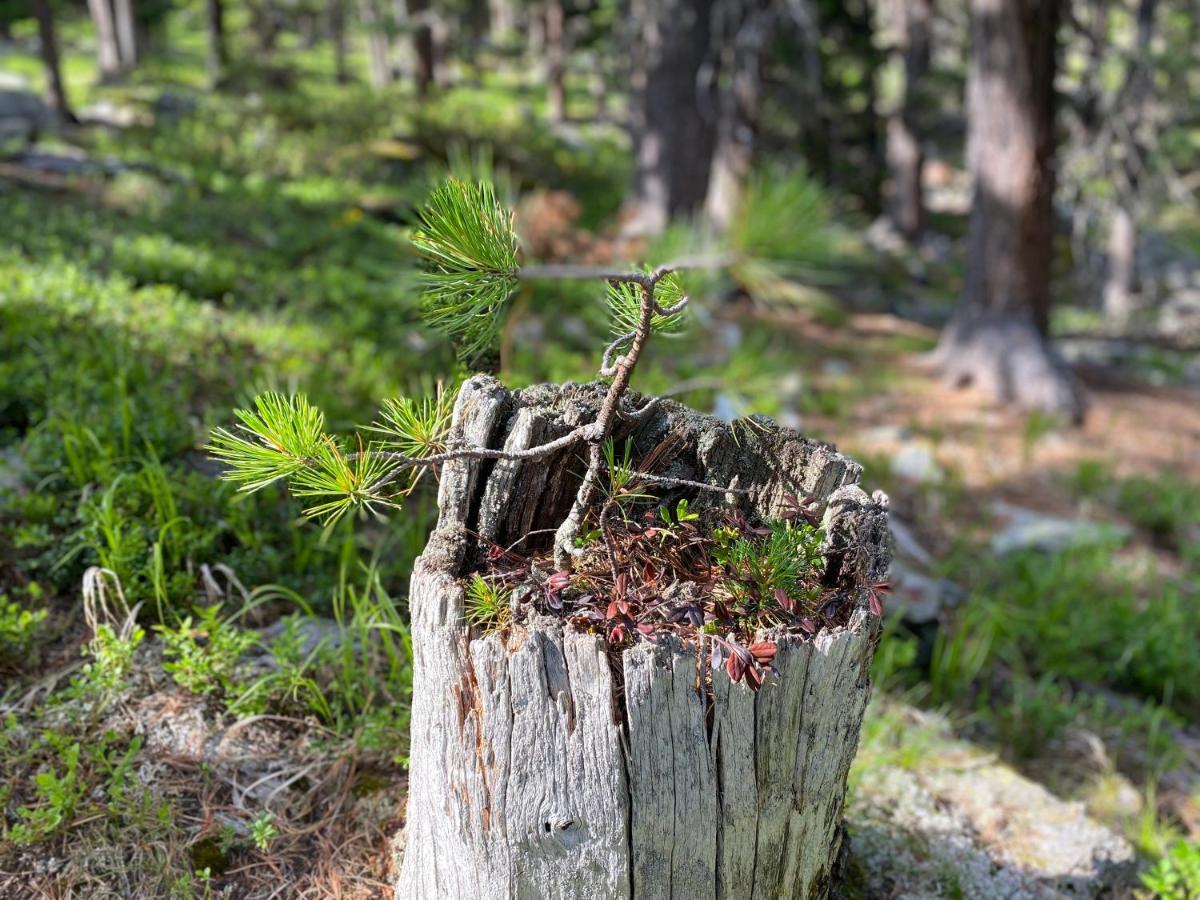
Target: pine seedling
(471,252)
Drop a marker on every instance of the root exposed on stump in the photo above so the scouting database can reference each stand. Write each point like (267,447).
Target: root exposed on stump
(542,768)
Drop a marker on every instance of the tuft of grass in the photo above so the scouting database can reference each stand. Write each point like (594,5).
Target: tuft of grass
(488,607)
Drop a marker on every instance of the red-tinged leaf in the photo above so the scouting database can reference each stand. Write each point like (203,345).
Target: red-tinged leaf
(649,574)
(809,625)
(622,585)
(875,604)
(558,580)
(613,611)
(650,532)
(735,668)
(785,602)
(646,628)
(754,678)
(763,652)
(623,606)
(617,634)
(495,552)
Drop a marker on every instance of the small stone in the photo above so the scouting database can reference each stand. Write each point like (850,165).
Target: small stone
(1027,529)
(916,462)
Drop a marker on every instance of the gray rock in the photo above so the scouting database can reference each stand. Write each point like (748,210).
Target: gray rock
(921,596)
(916,462)
(960,824)
(1027,529)
(23,116)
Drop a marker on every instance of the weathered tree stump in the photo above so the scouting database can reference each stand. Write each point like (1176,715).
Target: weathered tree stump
(541,769)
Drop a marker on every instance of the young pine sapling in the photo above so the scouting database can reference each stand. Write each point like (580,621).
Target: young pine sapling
(468,241)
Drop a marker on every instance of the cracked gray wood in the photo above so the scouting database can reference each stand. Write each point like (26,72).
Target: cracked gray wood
(541,768)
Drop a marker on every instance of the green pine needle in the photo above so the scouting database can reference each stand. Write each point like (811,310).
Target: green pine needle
(467,237)
(275,440)
(417,427)
(341,484)
(625,305)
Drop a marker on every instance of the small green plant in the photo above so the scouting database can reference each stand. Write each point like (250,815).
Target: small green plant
(203,653)
(1177,875)
(110,652)
(488,607)
(775,573)
(59,792)
(263,830)
(18,625)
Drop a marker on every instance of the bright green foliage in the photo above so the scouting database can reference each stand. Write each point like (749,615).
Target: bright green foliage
(1177,875)
(488,607)
(59,792)
(625,305)
(203,654)
(785,561)
(417,427)
(467,237)
(286,433)
(17,625)
(286,439)
(111,654)
(263,830)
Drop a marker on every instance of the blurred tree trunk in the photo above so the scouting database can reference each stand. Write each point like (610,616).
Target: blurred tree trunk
(905,155)
(337,31)
(218,53)
(107,49)
(378,55)
(126,25)
(423,45)
(48,40)
(744,28)
(997,337)
(1132,111)
(502,21)
(556,60)
(672,128)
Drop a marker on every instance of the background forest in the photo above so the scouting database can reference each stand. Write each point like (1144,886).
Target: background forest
(965,248)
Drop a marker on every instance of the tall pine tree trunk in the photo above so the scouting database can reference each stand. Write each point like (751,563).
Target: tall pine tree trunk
(337,33)
(1132,112)
(218,53)
(672,122)
(379,61)
(997,337)
(556,60)
(423,45)
(905,155)
(48,40)
(108,51)
(127,32)
(744,32)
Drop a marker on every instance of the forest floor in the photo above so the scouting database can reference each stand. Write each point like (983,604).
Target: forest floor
(236,722)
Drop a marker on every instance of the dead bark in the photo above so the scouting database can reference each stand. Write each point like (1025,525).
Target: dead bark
(905,154)
(48,40)
(672,120)
(997,337)
(542,766)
